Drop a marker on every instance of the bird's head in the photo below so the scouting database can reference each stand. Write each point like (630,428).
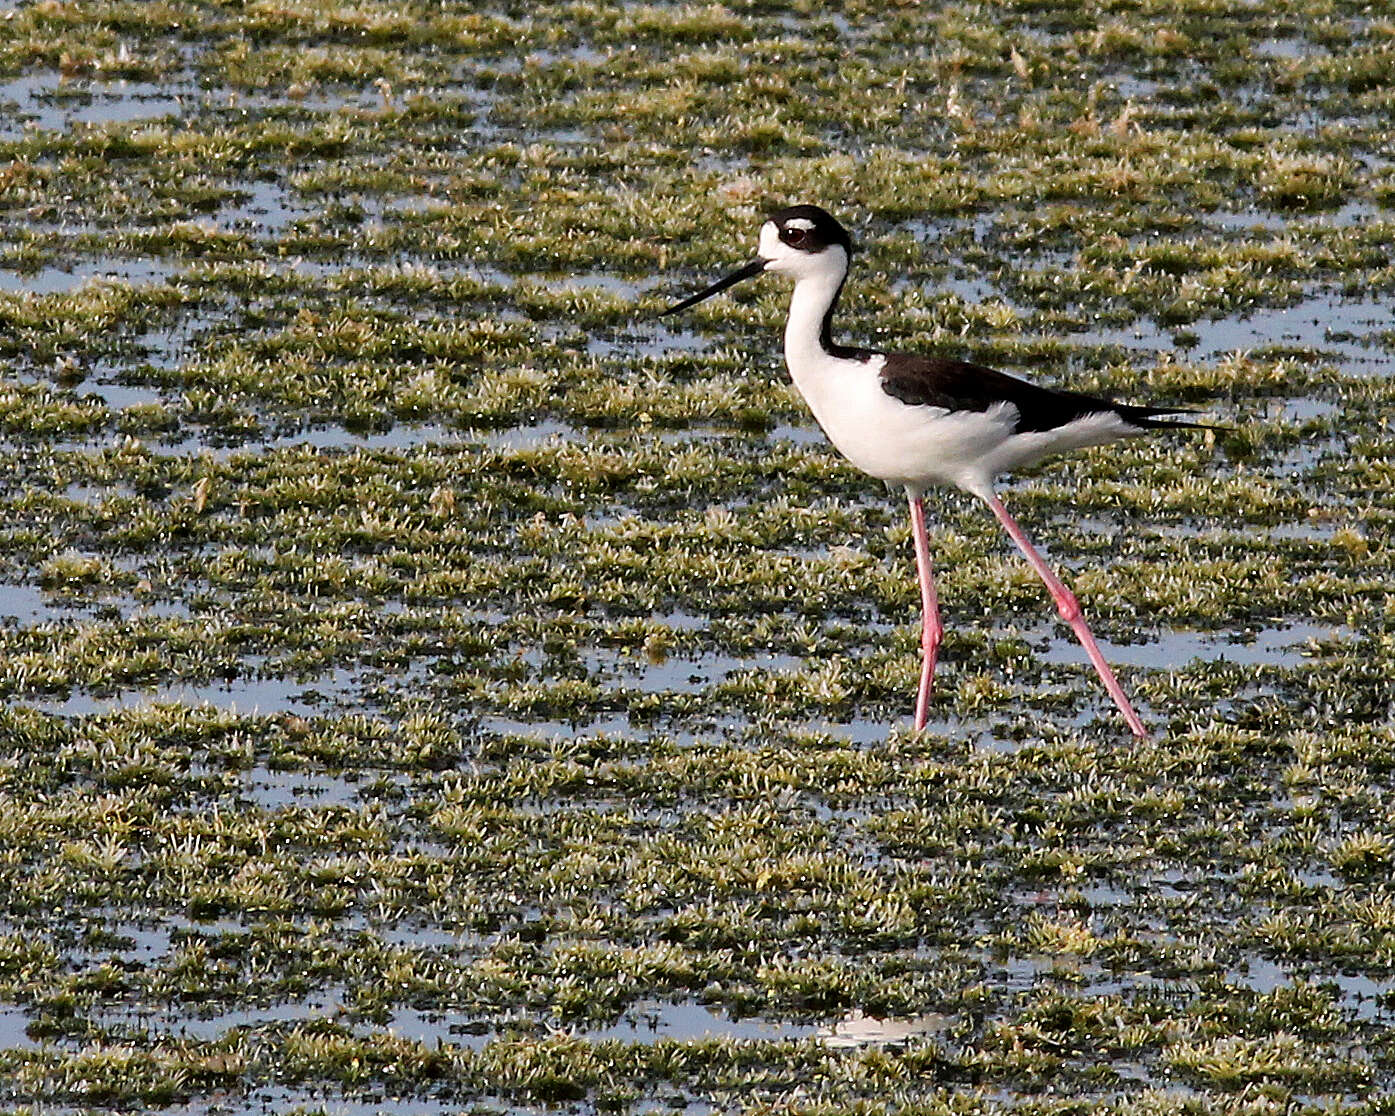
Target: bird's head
(803,242)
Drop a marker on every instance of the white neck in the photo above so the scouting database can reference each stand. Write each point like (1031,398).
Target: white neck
(813,295)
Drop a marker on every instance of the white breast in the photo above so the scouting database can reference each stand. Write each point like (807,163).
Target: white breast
(914,446)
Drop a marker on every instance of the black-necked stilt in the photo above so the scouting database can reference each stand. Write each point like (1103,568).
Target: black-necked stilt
(918,421)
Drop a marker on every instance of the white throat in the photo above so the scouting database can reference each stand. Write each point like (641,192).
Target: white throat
(813,295)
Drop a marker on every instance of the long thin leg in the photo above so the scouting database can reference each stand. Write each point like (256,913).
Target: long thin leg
(931,630)
(1069,609)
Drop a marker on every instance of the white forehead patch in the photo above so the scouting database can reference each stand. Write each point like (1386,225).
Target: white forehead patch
(799,223)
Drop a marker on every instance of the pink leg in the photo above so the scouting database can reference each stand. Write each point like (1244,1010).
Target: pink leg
(931,629)
(1069,608)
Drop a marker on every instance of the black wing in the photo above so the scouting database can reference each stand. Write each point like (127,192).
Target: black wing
(956,385)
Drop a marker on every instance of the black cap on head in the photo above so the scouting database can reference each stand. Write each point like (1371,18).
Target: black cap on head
(810,229)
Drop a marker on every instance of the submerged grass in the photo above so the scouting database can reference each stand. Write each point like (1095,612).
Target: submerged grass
(430,681)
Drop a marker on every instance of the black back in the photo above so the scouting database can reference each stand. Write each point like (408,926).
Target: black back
(958,386)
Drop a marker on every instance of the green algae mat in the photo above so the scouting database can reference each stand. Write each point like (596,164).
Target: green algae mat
(432,684)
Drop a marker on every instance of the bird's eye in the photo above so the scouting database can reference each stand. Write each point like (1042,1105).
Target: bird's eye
(793,237)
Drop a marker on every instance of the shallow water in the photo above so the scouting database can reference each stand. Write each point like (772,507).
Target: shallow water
(60,278)
(46,104)
(487,812)
(1286,646)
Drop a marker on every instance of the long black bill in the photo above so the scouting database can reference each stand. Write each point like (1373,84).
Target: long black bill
(755,267)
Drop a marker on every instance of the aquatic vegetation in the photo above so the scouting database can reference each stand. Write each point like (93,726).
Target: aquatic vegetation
(429,681)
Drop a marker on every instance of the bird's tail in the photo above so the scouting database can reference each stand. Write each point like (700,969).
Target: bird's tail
(1163,418)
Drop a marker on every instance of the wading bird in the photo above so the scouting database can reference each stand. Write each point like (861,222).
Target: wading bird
(919,421)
